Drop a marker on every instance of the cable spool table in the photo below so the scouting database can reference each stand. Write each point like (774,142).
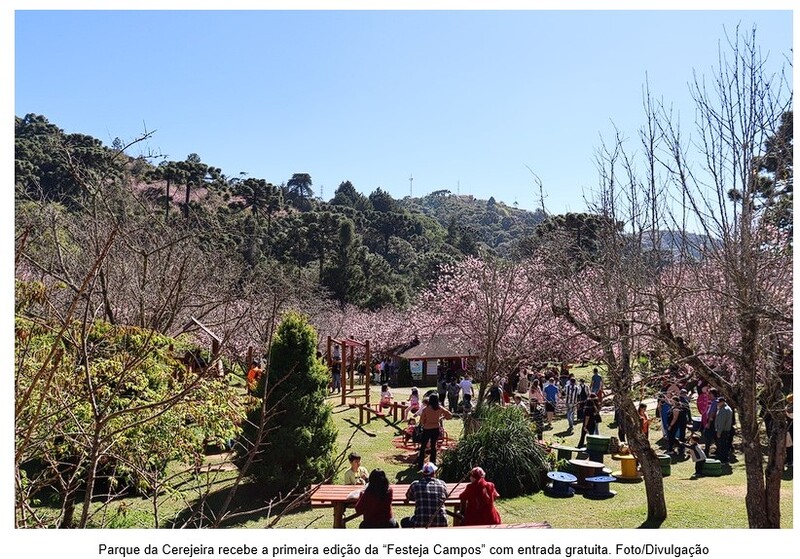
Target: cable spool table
(560,486)
(564,455)
(712,468)
(600,487)
(597,446)
(586,469)
(629,467)
(564,452)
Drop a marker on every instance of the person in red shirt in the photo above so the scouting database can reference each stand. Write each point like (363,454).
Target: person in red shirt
(254,375)
(477,501)
(375,502)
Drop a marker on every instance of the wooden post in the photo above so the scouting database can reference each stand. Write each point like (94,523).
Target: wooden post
(343,371)
(367,380)
(328,354)
(352,367)
(215,347)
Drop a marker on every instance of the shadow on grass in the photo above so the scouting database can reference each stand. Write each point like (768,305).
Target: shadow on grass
(251,503)
(409,458)
(359,427)
(411,473)
(651,524)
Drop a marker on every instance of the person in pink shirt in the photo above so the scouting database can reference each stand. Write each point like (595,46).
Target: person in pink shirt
(703,401)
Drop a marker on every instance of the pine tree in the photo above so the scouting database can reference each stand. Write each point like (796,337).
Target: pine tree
(300,436)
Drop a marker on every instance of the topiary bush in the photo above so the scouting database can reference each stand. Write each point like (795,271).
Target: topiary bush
(504,445)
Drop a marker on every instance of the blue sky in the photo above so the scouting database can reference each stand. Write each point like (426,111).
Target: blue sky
(461,100)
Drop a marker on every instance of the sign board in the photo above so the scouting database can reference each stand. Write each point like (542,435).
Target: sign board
(416,368)
(433,367)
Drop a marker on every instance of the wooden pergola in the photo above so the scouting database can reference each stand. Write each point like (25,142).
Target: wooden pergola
(347,350)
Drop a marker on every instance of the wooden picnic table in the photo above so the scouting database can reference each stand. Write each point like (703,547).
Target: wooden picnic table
(339,497)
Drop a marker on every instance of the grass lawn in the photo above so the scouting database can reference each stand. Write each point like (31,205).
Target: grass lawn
(691,503)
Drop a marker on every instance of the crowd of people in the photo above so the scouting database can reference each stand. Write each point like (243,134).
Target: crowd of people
(542,395)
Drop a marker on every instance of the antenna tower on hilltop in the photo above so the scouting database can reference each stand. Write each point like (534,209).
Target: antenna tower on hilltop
(411,185)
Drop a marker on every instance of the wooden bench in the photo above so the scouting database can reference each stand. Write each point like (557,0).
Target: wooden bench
(533,525)
(353,401)
(369,410)
(338,497)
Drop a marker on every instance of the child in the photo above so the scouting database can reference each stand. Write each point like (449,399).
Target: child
(356,474)
(254,375)
(386,396)
(645,421)
(408,434)
(520,404)
(413,400)
(697,454)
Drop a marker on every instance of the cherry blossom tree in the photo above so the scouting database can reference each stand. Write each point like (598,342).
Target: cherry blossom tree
(500,308)
(733,323)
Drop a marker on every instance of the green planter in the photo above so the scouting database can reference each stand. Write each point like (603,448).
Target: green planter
(666,464)
(598,442)
(712,468)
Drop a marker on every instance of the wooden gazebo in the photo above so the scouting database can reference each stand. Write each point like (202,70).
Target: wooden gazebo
(438,347)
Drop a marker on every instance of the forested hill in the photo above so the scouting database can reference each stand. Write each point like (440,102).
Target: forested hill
(370,250)
(489,222)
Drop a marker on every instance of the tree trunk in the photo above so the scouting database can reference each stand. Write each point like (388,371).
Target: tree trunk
(776,455)
(186,204)
(622,383)
(71,483)
(94,459)
(776,423)
(653,479)
(647,458)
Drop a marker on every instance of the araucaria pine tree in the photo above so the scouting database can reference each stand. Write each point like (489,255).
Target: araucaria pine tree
(298,434)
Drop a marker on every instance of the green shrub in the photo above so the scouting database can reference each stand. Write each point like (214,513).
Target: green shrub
(126,386)
(504,445)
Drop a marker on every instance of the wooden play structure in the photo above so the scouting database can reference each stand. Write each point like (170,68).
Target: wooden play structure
(194,362)
(344,352)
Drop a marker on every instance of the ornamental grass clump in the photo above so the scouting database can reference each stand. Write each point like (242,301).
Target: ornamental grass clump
(504,445)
